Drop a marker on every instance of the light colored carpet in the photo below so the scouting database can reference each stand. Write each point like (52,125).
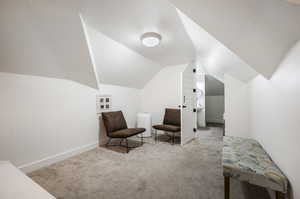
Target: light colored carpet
(155,170)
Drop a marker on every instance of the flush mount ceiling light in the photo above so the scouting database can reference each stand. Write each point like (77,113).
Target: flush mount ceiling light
(150,39)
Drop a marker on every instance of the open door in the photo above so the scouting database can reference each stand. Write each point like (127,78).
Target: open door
(188,104)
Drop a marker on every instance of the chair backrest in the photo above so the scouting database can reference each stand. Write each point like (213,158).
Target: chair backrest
(172,117)
(114,121)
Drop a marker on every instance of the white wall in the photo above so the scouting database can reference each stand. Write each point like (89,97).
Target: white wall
(44,120)
(162,91)
(236,107)
(275,115)
(41,117)
(126,99)
(201,91)
(214,108)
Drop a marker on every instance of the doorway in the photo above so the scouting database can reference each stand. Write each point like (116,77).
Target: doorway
(214,102)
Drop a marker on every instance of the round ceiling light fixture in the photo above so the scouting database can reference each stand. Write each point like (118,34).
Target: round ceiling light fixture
(150,39)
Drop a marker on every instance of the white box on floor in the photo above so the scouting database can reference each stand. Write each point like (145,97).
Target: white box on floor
(144,121)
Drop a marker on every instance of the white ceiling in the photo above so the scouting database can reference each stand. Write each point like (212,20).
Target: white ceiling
(116,64)
(260,32)
(47,38)
(213,56)
(44,38)
(126,22)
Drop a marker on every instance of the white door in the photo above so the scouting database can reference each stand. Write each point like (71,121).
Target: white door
(188,104)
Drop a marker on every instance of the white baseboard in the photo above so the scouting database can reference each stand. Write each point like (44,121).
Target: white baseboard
(27,168)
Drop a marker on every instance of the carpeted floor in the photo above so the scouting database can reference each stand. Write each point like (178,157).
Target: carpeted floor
(153,171)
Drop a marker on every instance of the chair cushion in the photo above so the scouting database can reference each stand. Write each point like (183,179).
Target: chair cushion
(114,121)
(124,133)
(170,128)
(172,117)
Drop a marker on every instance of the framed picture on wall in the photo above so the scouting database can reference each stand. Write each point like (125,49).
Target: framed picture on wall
(103,103)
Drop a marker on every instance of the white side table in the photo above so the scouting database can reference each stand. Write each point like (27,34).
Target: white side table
(144,121)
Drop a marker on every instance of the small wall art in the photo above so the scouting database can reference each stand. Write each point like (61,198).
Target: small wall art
(103,103)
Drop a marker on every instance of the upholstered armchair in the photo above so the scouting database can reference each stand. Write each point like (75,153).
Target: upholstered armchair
(116,127)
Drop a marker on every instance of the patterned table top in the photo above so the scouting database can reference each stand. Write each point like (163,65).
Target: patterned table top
(246,160)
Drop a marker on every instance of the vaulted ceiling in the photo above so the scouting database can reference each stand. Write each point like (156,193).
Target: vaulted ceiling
(44,38)
(126,22)
(260,32)
(96,41)
(212,56)
(116,64)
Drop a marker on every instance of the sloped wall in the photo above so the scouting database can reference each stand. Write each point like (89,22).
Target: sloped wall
(44,38)
(275,115)
(269,111)
(260,32)
(118,65)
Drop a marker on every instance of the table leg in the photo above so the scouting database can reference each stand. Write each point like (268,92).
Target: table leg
(279,195)
(226,186)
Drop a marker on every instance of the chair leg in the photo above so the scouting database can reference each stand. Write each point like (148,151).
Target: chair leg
(142,140)
(279,195)
(226,187)
(127,148)
(172,138)
(107,142)
(155,136)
